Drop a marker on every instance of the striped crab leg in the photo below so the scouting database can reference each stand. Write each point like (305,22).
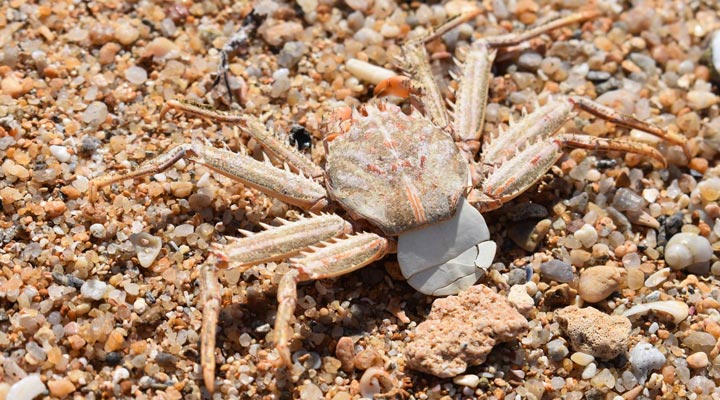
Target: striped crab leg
(516,159)
(273,243)
(256,129)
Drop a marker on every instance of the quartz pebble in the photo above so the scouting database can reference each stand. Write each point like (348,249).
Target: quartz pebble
(582,359)
(469,380)
(27,388)
(698,360)
(556,270)
(94,289)
(519,297)
(61,387)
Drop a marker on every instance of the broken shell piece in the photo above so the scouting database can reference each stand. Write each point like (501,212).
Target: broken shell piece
(677,309)
(377,381)
(147,248)
(368,72)
(657,278)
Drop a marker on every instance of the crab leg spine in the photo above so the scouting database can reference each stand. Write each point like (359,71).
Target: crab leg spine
(283,241)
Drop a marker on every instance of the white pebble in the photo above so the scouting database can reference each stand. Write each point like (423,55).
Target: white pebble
(686,249)
(136,75)
(368,72)
(140,305)
(95,113)
(93,289)
(699,100)
(589,371)
(469,380)
(587,235)
(120,375)
(27,388)
(60,153)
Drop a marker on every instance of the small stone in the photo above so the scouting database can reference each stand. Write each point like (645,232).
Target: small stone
(61,387)
(528,234)
(441,346)
(55,208)
(517,276)
(115,340)
(95,113)
(97,231)
(126,34)
(556,270)
(557,350)
(698,360)
(644,358)
(136,75)
(699,341)
(60,153)
(94,289)
(519,297)
(469,380)
(700,100)
(582,359)
(310,391)
(160,48)
(597,283)
(345,352)
(27,388)
(181,189)
(593,332)
(657,278)
(587,235)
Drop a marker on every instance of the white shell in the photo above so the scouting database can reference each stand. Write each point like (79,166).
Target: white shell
(677,309)
(446,258)
(147,247)
(27,388)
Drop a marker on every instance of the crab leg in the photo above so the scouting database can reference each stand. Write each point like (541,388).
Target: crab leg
(263,176)
(510,171)
(336,258)
(256,129)
(273,243)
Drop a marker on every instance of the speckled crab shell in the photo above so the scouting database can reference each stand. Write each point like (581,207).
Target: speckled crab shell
(398,171)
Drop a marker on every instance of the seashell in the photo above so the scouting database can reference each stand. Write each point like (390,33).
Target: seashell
(147,247)
(368,72)
(677,309)
(657,278)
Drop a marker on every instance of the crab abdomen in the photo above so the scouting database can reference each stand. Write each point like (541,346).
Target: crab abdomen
(397,171)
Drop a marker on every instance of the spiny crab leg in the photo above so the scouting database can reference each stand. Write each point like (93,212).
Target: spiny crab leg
(256,129)
(273,243)
(263,176)
(509,171)
(336,258)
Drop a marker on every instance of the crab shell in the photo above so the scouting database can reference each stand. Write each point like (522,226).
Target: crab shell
(406,176)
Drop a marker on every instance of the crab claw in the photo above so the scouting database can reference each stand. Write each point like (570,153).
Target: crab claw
(399,86)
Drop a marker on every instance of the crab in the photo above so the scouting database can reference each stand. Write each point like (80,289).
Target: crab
(415,181)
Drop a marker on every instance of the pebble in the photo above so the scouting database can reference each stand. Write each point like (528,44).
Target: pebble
(657,278)
(597,283)
(55,208)
(587,235)
(469,380)
(589,371)
(687,249)
(529,234)
(557,350)
(27,388)
(530,60)
(93,289)
(699,341)
(582,359)
(126,34)
(556,270)
(61,387)
(60,153)
(95,113)
(700,100)
(644,358)
(345,352)
(136,75)
(593,332)
(519,297)
(698,360)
